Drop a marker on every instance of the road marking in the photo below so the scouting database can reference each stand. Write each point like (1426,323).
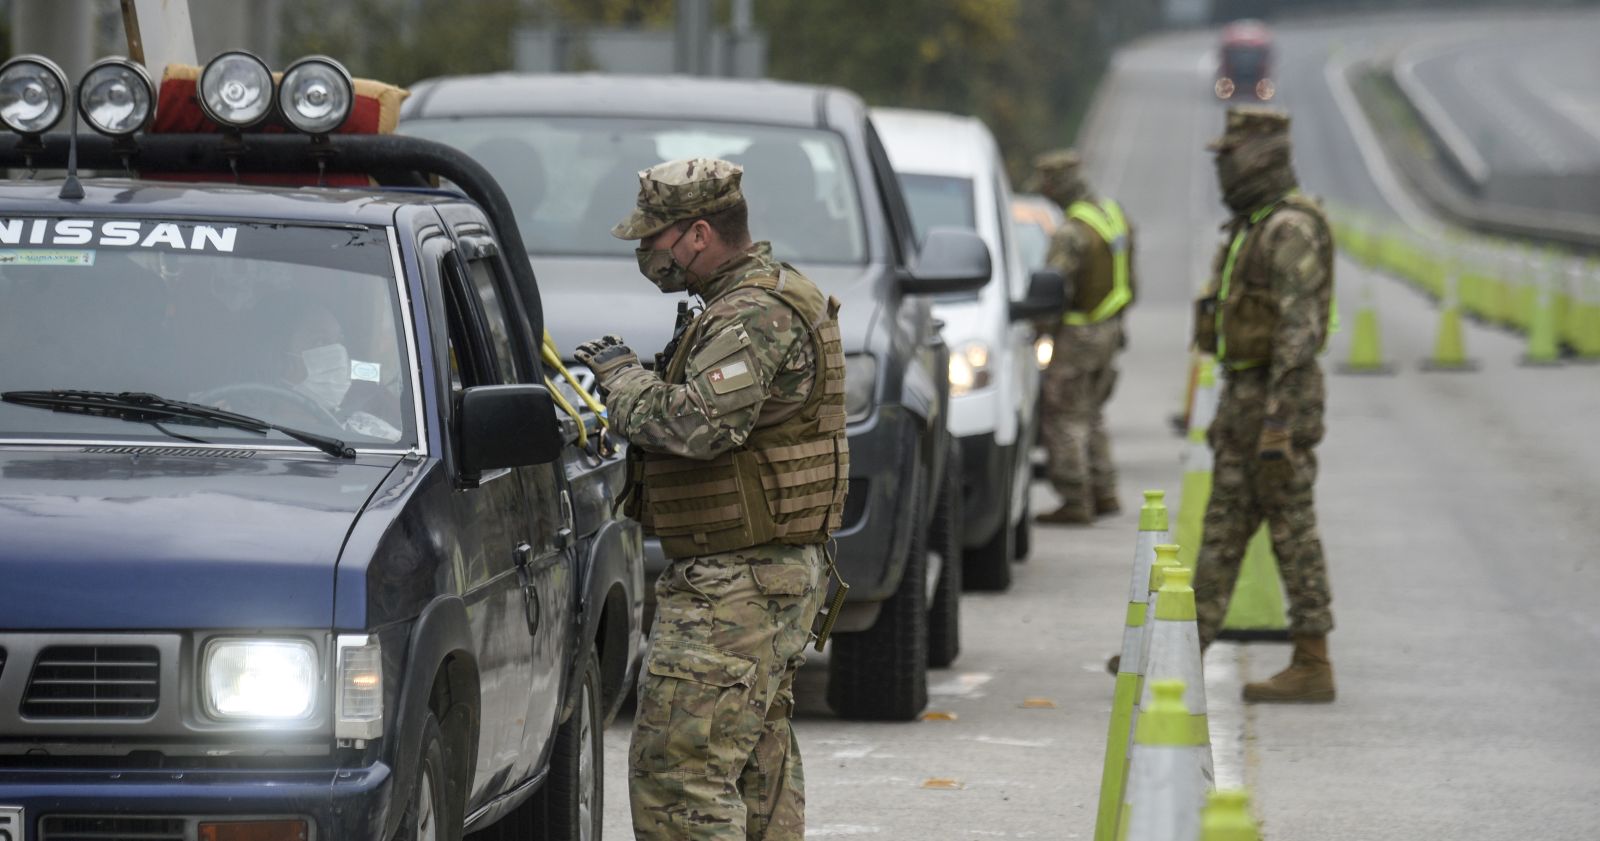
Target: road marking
(1336,73)
(1225,714)
(827,830)
(1004,741)
(964,685)
(1450,132)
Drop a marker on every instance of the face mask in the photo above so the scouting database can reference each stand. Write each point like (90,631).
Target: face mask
(661,268)
(327,374)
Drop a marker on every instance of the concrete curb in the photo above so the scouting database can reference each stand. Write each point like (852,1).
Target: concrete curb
(1454,199)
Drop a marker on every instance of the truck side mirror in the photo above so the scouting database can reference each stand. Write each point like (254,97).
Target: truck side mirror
(503,426)
(951,260)
(1047,296)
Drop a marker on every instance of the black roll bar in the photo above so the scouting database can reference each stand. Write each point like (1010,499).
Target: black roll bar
(389,158)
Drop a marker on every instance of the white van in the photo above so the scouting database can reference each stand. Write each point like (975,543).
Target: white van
(952,175)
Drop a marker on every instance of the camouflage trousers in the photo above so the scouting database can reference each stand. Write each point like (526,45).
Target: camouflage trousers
(1076,388)
(713,753)
(1243,495)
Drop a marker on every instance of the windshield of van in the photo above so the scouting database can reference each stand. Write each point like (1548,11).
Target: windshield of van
(295,325)
(939,201)
(571,179)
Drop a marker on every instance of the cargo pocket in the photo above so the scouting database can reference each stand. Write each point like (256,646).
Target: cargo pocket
(782,579)
(691,703)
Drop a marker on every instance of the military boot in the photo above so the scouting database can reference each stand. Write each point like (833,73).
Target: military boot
(1107,505)
(1309,677)
(1069,514)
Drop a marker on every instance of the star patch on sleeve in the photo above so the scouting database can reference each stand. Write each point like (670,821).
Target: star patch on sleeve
(730,376)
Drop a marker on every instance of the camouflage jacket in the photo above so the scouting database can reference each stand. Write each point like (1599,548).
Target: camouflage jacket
(1275,315)
(718,406)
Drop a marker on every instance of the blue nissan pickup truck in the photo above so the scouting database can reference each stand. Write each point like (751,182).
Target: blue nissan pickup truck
(294,542)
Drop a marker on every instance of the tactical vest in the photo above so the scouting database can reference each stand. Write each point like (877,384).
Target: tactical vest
(1246,308)
(786,484)
(1105,285)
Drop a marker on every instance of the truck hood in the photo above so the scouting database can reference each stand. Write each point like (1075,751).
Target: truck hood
(588,297)
(144,539)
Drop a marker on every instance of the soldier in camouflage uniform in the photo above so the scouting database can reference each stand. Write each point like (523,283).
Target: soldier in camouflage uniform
(1093,250)
(737,463)
(1266,317)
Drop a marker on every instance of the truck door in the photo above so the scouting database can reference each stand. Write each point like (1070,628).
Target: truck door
(487,513)
(545,565)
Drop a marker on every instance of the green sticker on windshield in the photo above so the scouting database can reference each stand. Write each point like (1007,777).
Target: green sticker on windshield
(46,257)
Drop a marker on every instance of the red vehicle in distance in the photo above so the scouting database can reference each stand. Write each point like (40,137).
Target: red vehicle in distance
(1244,62)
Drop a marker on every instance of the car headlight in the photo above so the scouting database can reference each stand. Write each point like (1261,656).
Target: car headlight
(1044,349)
(860,384)
(273,679)
(969,368)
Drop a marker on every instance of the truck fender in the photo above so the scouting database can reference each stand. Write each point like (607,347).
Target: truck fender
(440,634)
(611,596)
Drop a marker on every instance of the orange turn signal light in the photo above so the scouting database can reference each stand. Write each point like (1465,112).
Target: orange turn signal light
(254,831)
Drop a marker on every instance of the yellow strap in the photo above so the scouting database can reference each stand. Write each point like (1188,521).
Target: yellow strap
(1109,224)
(552,357)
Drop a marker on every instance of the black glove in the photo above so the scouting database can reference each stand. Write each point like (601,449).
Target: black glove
(1272,453)
(606,356)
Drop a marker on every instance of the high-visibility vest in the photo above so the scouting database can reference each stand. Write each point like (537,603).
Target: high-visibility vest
(1226,282)
(1107,222)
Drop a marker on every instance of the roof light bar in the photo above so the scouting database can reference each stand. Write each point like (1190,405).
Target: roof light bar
(316,95)
(33,94)
(236,89)
(116,97)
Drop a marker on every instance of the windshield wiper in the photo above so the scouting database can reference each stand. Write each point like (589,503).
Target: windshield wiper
(141,407)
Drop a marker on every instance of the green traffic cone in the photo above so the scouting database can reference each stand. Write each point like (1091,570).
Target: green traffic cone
(1449,346)
(1366,342)
(1543,345)
(1227,817)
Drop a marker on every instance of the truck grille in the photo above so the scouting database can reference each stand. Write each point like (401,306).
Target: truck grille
(74,828)
(102,681)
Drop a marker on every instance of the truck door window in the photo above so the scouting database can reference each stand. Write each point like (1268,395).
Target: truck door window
(513,368)
(471,361)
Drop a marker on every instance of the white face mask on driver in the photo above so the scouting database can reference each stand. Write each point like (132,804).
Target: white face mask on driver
(327,374)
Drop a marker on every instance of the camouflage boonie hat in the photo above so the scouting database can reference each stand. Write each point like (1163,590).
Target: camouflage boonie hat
(1246,122)
(1054,166)
(678,190)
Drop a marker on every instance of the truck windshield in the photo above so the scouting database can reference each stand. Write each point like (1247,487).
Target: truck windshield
(570,179)
(1245,61)
(938,201)
(296,325)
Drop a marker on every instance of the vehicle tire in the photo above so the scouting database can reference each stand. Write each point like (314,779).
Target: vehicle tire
(1022,541)
(881,674)
(944,537)
(569,805)
(432,813)
(988,567)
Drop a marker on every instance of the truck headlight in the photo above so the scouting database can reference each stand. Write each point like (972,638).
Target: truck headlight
(860,384)
(273,679)
(359,713)
(969,368)
(1044,350)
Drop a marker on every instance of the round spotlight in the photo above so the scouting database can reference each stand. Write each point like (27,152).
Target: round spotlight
(116,97)
(33,94)
(236,89)
(316,94)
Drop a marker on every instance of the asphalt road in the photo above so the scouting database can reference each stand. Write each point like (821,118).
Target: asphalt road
(1456,512)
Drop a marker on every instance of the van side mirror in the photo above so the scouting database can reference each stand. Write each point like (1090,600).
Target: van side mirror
(1047,297)
(951,260)
(503,426)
